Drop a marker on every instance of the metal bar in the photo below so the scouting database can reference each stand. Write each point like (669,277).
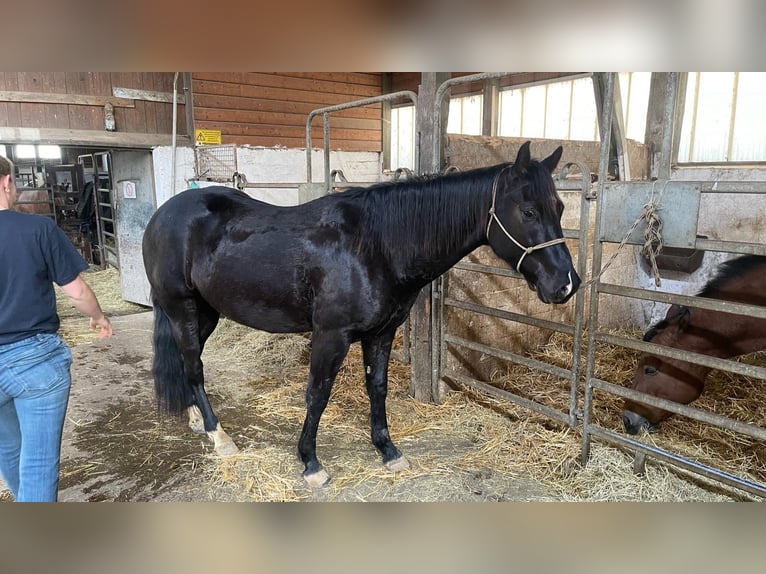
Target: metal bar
(582,259)
(488,269)
(668,115)
(510,316)
(680,461)
(348,105)
(731,246)
(727,423)
(508,396)
(688,356)
(605,128)
(510,357)
(687,300)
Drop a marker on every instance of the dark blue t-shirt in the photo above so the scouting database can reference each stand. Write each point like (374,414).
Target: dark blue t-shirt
(34,253)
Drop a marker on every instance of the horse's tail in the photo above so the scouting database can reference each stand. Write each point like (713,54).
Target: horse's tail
(171,390)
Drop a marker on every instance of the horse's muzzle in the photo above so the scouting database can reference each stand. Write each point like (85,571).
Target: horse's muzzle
(562,291)
(634,423)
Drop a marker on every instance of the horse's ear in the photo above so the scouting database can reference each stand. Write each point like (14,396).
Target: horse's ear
(552,160)
(522,159)
(684,314)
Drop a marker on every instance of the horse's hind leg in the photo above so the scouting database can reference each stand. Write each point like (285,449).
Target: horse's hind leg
(328,349)
(207,321)
(190,346)
(376,352)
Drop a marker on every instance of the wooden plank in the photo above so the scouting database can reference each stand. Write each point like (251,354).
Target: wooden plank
(67,99)
(56,115)
(364,79)
(147,95)
(250,117)
(277,106)
(132,119)
(421,324)
(86,138)
(321,99)
(299,84)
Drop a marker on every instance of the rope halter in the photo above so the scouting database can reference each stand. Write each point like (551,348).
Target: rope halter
(493,216)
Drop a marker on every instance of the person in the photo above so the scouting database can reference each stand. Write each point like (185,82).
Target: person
(34,361)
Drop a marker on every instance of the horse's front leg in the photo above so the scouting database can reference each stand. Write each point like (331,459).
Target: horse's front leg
(328,349)
(376,352)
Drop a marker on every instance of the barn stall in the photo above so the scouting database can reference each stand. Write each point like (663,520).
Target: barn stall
(466,343)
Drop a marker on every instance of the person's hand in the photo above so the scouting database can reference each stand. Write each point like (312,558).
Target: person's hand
(103,324)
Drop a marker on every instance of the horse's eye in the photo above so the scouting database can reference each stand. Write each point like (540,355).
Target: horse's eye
(649,370)
(529,213)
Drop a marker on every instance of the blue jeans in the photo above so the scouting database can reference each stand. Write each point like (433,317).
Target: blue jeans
(34,391)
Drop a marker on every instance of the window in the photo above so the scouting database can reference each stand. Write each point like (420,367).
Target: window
(567,110)
(722,119)
(564,110)
(24,151)
(403,137)
(560,110)
(29,151)
(465,115)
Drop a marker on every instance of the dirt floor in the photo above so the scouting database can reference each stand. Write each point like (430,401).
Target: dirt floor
(117,447)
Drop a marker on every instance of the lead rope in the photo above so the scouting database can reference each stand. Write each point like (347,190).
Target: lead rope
(493,216)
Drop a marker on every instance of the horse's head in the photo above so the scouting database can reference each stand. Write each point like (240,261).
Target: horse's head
(525,226)
(671,379)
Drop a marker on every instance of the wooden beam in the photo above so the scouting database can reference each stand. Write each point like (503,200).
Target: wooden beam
(70,99)
(147,95)
(424,348)
(87,138)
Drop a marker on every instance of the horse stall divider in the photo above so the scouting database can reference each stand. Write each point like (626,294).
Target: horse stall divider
(605,233)
(329,176)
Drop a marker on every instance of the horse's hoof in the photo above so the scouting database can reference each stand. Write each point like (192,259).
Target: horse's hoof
(398,464)
(224,446)
(226,449)
(317,479)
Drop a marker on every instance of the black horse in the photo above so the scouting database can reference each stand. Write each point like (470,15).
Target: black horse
(346,266)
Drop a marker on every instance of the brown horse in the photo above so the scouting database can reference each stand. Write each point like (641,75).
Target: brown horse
(708,332)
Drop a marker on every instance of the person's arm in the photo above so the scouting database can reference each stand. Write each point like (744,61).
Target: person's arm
(85,301)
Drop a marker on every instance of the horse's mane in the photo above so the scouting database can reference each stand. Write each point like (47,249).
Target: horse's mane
(432,214)
(729,270)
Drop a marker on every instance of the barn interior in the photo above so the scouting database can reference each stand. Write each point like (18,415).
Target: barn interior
(107,149)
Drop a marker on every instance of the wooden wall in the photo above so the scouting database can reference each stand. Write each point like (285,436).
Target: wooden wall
(75,101)
(271,109)
(411,80)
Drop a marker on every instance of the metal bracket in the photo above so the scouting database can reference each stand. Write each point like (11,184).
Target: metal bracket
(623,203)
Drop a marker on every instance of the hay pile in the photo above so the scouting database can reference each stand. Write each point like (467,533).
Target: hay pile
(479,436)
(741,398)
(75,329)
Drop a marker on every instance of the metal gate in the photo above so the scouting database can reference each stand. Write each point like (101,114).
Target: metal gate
(616,203)
(99,167)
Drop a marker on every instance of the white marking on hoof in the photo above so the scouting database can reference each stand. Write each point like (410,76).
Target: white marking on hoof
(195,419)
(398,464)
(224,446)
(317,479)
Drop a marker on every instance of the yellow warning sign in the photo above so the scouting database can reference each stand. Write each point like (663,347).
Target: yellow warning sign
(209,137)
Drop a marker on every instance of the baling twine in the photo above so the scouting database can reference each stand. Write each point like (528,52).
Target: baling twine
(652,235)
